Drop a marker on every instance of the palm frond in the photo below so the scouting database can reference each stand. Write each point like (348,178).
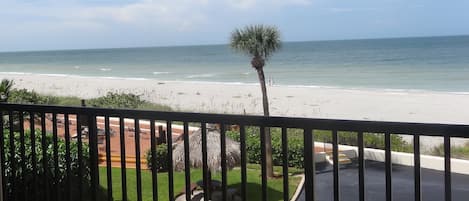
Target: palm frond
(5,88)
(256,40)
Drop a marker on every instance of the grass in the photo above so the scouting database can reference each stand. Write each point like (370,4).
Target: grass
(68,100)
(75,101)
(275,186)
(277,169)
(110,100)
(459,152)
(371,140)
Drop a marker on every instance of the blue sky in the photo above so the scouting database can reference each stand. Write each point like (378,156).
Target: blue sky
(82,24)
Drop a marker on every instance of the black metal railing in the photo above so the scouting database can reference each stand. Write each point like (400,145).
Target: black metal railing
(87,148)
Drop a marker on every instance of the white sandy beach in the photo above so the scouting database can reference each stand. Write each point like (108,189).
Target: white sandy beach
(380,105)
(316,102)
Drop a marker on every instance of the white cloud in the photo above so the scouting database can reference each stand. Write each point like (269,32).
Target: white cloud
(171,14)
(139,22)
(262,4)
(348,10)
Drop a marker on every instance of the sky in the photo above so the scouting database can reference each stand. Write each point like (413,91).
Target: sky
(86,24)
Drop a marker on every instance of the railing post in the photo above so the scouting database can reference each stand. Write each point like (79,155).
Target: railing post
(388,165)
(187,170)
(93,154)
(1,181)
(1,163)
(361,167)
(263,164)
(447,148)
(2,185)
(309,163)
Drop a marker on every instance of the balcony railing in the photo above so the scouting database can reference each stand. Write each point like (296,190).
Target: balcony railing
(73,118)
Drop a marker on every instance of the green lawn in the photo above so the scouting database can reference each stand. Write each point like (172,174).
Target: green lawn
(275,186)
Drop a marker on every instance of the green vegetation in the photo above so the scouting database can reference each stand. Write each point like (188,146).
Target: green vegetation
(275,186)
(277,169)
(5,89)
(130,101)
(111,100)
(24,96)
(259,42)
(370,140)
(296,143)
(253,146)
(161,158)
(23,176)
(460,152)
(19,169)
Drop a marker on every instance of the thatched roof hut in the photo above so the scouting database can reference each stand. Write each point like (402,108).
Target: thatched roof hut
(233,155)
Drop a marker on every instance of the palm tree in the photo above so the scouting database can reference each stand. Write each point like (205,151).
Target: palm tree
(259,42)
(5,89)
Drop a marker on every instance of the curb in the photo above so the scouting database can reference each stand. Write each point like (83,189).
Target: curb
(299,188)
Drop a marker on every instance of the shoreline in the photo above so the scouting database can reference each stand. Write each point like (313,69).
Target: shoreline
(290,101)
(371,89)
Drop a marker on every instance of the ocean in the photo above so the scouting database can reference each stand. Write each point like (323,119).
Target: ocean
(427,64)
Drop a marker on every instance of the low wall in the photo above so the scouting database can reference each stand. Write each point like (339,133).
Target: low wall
(430,162)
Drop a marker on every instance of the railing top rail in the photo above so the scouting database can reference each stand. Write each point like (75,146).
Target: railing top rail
(454,130)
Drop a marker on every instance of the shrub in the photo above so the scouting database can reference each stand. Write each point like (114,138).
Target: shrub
(125,100)
(22,178)
(460,152)
(115,100)
(253,147)
(161,158)
(370,140)
(5,89)
(296,144)
(111,100)
(295,148)
(24,96)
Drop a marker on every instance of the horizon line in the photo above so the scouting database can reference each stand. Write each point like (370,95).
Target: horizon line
(221,44)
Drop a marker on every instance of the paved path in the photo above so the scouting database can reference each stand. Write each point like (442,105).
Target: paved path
(403,184)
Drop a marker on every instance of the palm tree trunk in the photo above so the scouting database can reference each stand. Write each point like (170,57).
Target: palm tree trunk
(268,138)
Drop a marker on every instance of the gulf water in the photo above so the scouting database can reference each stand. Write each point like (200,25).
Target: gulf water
(429,63)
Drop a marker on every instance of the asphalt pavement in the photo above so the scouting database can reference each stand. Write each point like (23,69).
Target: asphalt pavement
(403,184)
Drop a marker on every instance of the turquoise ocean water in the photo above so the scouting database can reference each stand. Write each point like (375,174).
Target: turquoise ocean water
(431,63)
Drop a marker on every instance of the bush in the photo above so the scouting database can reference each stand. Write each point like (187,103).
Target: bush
(253,146)
(296,144)
(125,100)
(370,140)
(22,178)
(459,152)
(115,100)
(111,100)
(161,158)
(5,89)
(24,96)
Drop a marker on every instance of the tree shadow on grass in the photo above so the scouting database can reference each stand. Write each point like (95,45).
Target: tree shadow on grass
(254,192)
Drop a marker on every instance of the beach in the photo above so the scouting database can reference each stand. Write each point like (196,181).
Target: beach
(290,101)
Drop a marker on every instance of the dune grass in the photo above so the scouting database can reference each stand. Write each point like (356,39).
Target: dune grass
(275,186)
(459,152)
(110,100)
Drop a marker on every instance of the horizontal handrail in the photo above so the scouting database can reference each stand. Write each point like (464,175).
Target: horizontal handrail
(430,129)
